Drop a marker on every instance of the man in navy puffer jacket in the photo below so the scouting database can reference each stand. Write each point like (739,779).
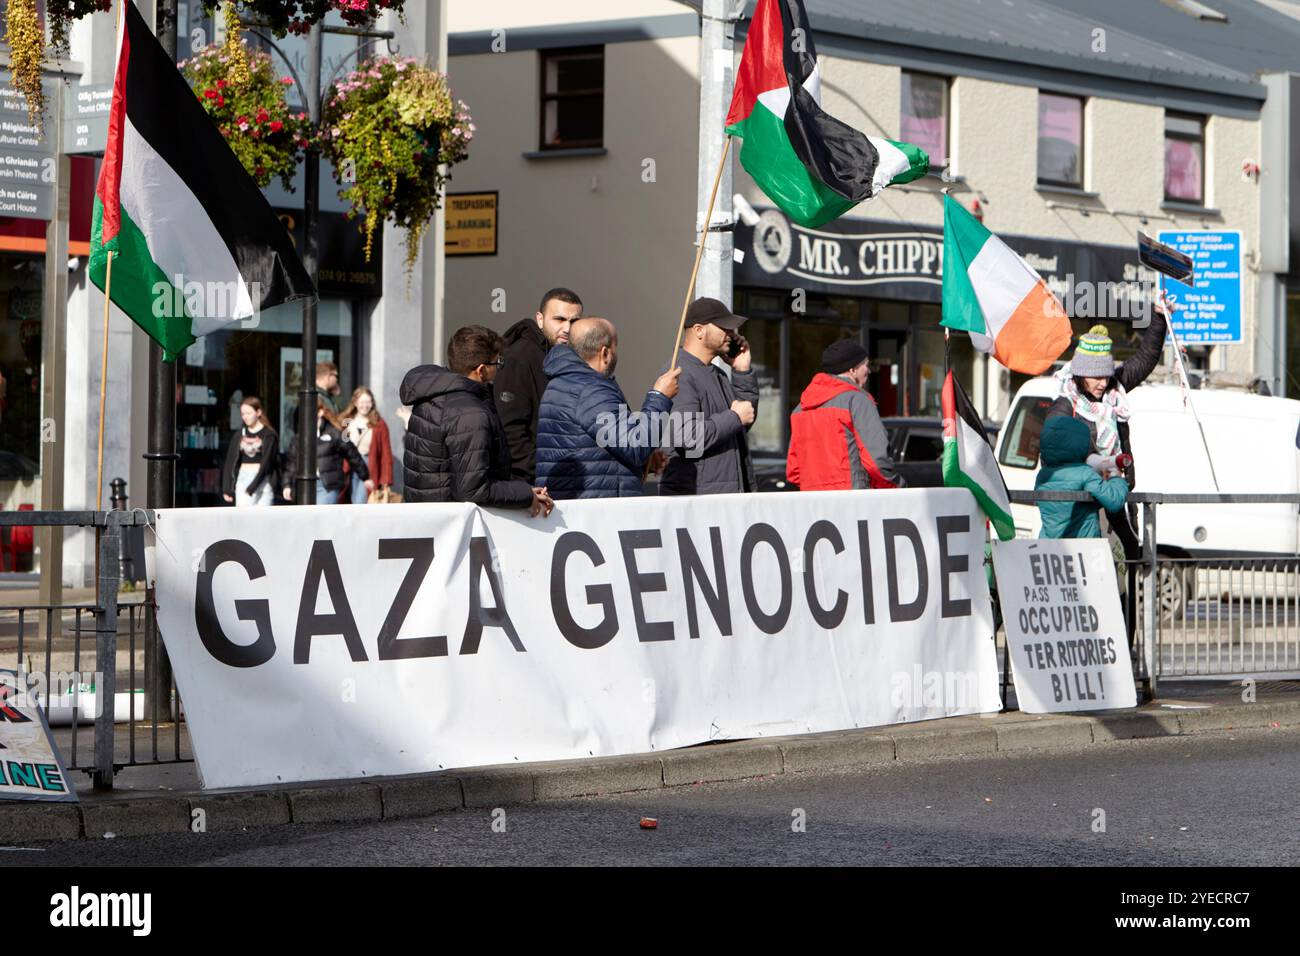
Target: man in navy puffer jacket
(589,444)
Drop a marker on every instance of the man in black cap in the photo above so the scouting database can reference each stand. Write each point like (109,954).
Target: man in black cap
(715,459)
(835,411)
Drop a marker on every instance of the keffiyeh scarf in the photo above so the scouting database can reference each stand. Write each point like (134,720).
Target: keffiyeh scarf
(1107,412)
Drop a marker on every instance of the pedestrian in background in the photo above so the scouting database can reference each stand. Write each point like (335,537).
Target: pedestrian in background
(837,440)
(581,450)
(726,406)
(521,380)
(331,452)
(365,428)
(327,384)
(456,447)
(252,469)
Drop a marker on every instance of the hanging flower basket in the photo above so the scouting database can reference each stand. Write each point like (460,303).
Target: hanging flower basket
(297,16)
(26,40)
(393,129)
(239,89)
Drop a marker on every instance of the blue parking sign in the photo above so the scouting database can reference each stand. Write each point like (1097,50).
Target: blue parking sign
(1209,313)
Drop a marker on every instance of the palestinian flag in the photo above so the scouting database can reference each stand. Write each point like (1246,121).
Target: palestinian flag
(811,165)
(996,296)
(968,459)
(195,245)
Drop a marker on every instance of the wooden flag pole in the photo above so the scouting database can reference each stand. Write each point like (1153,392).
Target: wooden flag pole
(103,385)
(699,253)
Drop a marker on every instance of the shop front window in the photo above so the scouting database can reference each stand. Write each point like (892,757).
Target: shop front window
(222,369)
(961,355)
(768,431)
(21,284)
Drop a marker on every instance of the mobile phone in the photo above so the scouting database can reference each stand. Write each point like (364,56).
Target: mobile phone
(733,347)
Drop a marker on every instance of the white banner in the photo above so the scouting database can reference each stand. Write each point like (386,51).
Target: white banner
(1060,607)
(326,642)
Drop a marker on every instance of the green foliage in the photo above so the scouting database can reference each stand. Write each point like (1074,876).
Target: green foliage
(242,94)
(393,129)
(297,16)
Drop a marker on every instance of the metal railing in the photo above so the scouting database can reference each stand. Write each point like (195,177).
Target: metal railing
(1188,616)
(1205,616)
(50,642)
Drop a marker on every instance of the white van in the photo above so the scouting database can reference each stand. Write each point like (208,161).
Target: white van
(1255,444)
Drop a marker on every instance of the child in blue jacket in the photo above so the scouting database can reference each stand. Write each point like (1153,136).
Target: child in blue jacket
(1064,446)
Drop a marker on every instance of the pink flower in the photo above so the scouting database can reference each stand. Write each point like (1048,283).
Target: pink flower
(287,80)
(221,84)
(276,126)
(263,116)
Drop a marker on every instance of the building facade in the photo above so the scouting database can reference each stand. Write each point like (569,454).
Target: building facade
(374,322)
(1066,132)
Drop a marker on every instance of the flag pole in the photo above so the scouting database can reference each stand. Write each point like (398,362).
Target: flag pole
(1186,386)
(103,384)
(699,253)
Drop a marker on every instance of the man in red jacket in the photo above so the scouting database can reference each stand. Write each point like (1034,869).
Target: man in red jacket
(836,439)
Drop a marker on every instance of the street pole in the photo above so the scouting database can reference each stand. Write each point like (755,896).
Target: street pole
(54,366)
(160,484)
(305,492)
(717,50)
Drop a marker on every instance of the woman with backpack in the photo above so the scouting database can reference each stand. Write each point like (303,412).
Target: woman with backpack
(331,452)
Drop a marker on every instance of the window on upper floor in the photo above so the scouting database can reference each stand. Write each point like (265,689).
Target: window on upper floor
(1185,158)
(1060,140)
(573,98)
(924,114)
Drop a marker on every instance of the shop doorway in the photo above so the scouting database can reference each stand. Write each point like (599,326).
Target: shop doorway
(887,349)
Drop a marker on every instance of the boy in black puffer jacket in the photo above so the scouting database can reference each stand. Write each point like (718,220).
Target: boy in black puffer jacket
(456,449)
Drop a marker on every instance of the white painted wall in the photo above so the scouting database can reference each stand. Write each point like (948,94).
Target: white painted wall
(469,15)
(590,223)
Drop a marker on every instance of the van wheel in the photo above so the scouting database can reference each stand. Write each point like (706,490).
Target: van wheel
(1176,591)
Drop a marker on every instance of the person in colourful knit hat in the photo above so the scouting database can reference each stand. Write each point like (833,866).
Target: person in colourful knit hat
(1094,388)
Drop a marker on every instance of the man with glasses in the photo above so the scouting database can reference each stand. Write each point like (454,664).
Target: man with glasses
(522,381)
(456,448)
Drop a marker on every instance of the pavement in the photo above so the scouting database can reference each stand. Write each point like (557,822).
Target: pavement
(1145,805)
(166,798)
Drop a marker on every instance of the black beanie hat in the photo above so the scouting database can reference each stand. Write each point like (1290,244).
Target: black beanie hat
(841,356)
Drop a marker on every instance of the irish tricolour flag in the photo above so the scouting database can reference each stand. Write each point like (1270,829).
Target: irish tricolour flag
(195,245)
(810,164)
(968,460)
(997,297)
